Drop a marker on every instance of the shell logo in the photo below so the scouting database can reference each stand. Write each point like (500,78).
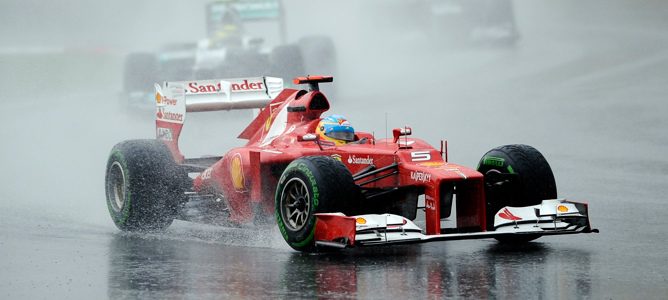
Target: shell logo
(433,164)
(158,98)
(237,173)
(562,208)
(267,124)
(360,220)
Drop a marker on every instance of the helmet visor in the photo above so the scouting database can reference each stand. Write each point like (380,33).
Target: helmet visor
(347,136)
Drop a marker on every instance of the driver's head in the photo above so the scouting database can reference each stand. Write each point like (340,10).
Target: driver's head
(228,25)
(337,129)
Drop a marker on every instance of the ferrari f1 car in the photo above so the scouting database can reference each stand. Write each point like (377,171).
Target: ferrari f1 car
(323,194)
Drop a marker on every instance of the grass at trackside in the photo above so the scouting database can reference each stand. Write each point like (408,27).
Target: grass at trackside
(38,75)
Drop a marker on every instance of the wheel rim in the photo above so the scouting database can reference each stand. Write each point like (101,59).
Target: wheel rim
(116,187)
(295,204)
(492,177)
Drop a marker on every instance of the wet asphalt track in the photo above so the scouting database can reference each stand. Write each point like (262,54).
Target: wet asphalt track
(587,89)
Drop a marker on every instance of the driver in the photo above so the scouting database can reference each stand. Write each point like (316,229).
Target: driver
(336,129)
(228,27)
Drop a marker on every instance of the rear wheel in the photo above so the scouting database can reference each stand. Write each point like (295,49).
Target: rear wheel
(310,185)
(144,186)
(515,175)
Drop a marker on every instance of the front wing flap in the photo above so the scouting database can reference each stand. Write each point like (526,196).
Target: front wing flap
(551,217)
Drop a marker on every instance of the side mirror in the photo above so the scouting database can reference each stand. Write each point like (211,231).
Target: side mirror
(308,137)
(397,132)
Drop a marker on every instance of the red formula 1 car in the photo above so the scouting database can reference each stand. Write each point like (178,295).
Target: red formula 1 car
(358,191)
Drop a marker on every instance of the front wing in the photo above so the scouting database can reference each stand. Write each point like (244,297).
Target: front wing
(551,217)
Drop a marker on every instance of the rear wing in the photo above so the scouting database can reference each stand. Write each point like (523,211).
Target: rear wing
(245,10)
(174,99)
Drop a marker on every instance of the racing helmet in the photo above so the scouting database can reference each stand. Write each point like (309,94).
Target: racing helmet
(336,129)
(225,25)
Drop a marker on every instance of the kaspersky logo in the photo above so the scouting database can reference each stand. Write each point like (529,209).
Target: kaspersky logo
(353,160)
(420,176)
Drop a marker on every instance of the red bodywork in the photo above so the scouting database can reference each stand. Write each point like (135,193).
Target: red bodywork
(247,176)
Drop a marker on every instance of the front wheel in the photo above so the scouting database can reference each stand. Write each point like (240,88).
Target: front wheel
(515,175)
(310,185)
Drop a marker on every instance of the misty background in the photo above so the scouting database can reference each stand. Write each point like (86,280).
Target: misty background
(61,69)
(585,84)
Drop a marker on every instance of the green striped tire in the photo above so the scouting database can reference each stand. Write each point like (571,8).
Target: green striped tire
(310,185)
(143,185)
(515,175)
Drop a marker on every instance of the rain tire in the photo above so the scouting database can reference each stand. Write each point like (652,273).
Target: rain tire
(515,175)
(144,186)
(310,185)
